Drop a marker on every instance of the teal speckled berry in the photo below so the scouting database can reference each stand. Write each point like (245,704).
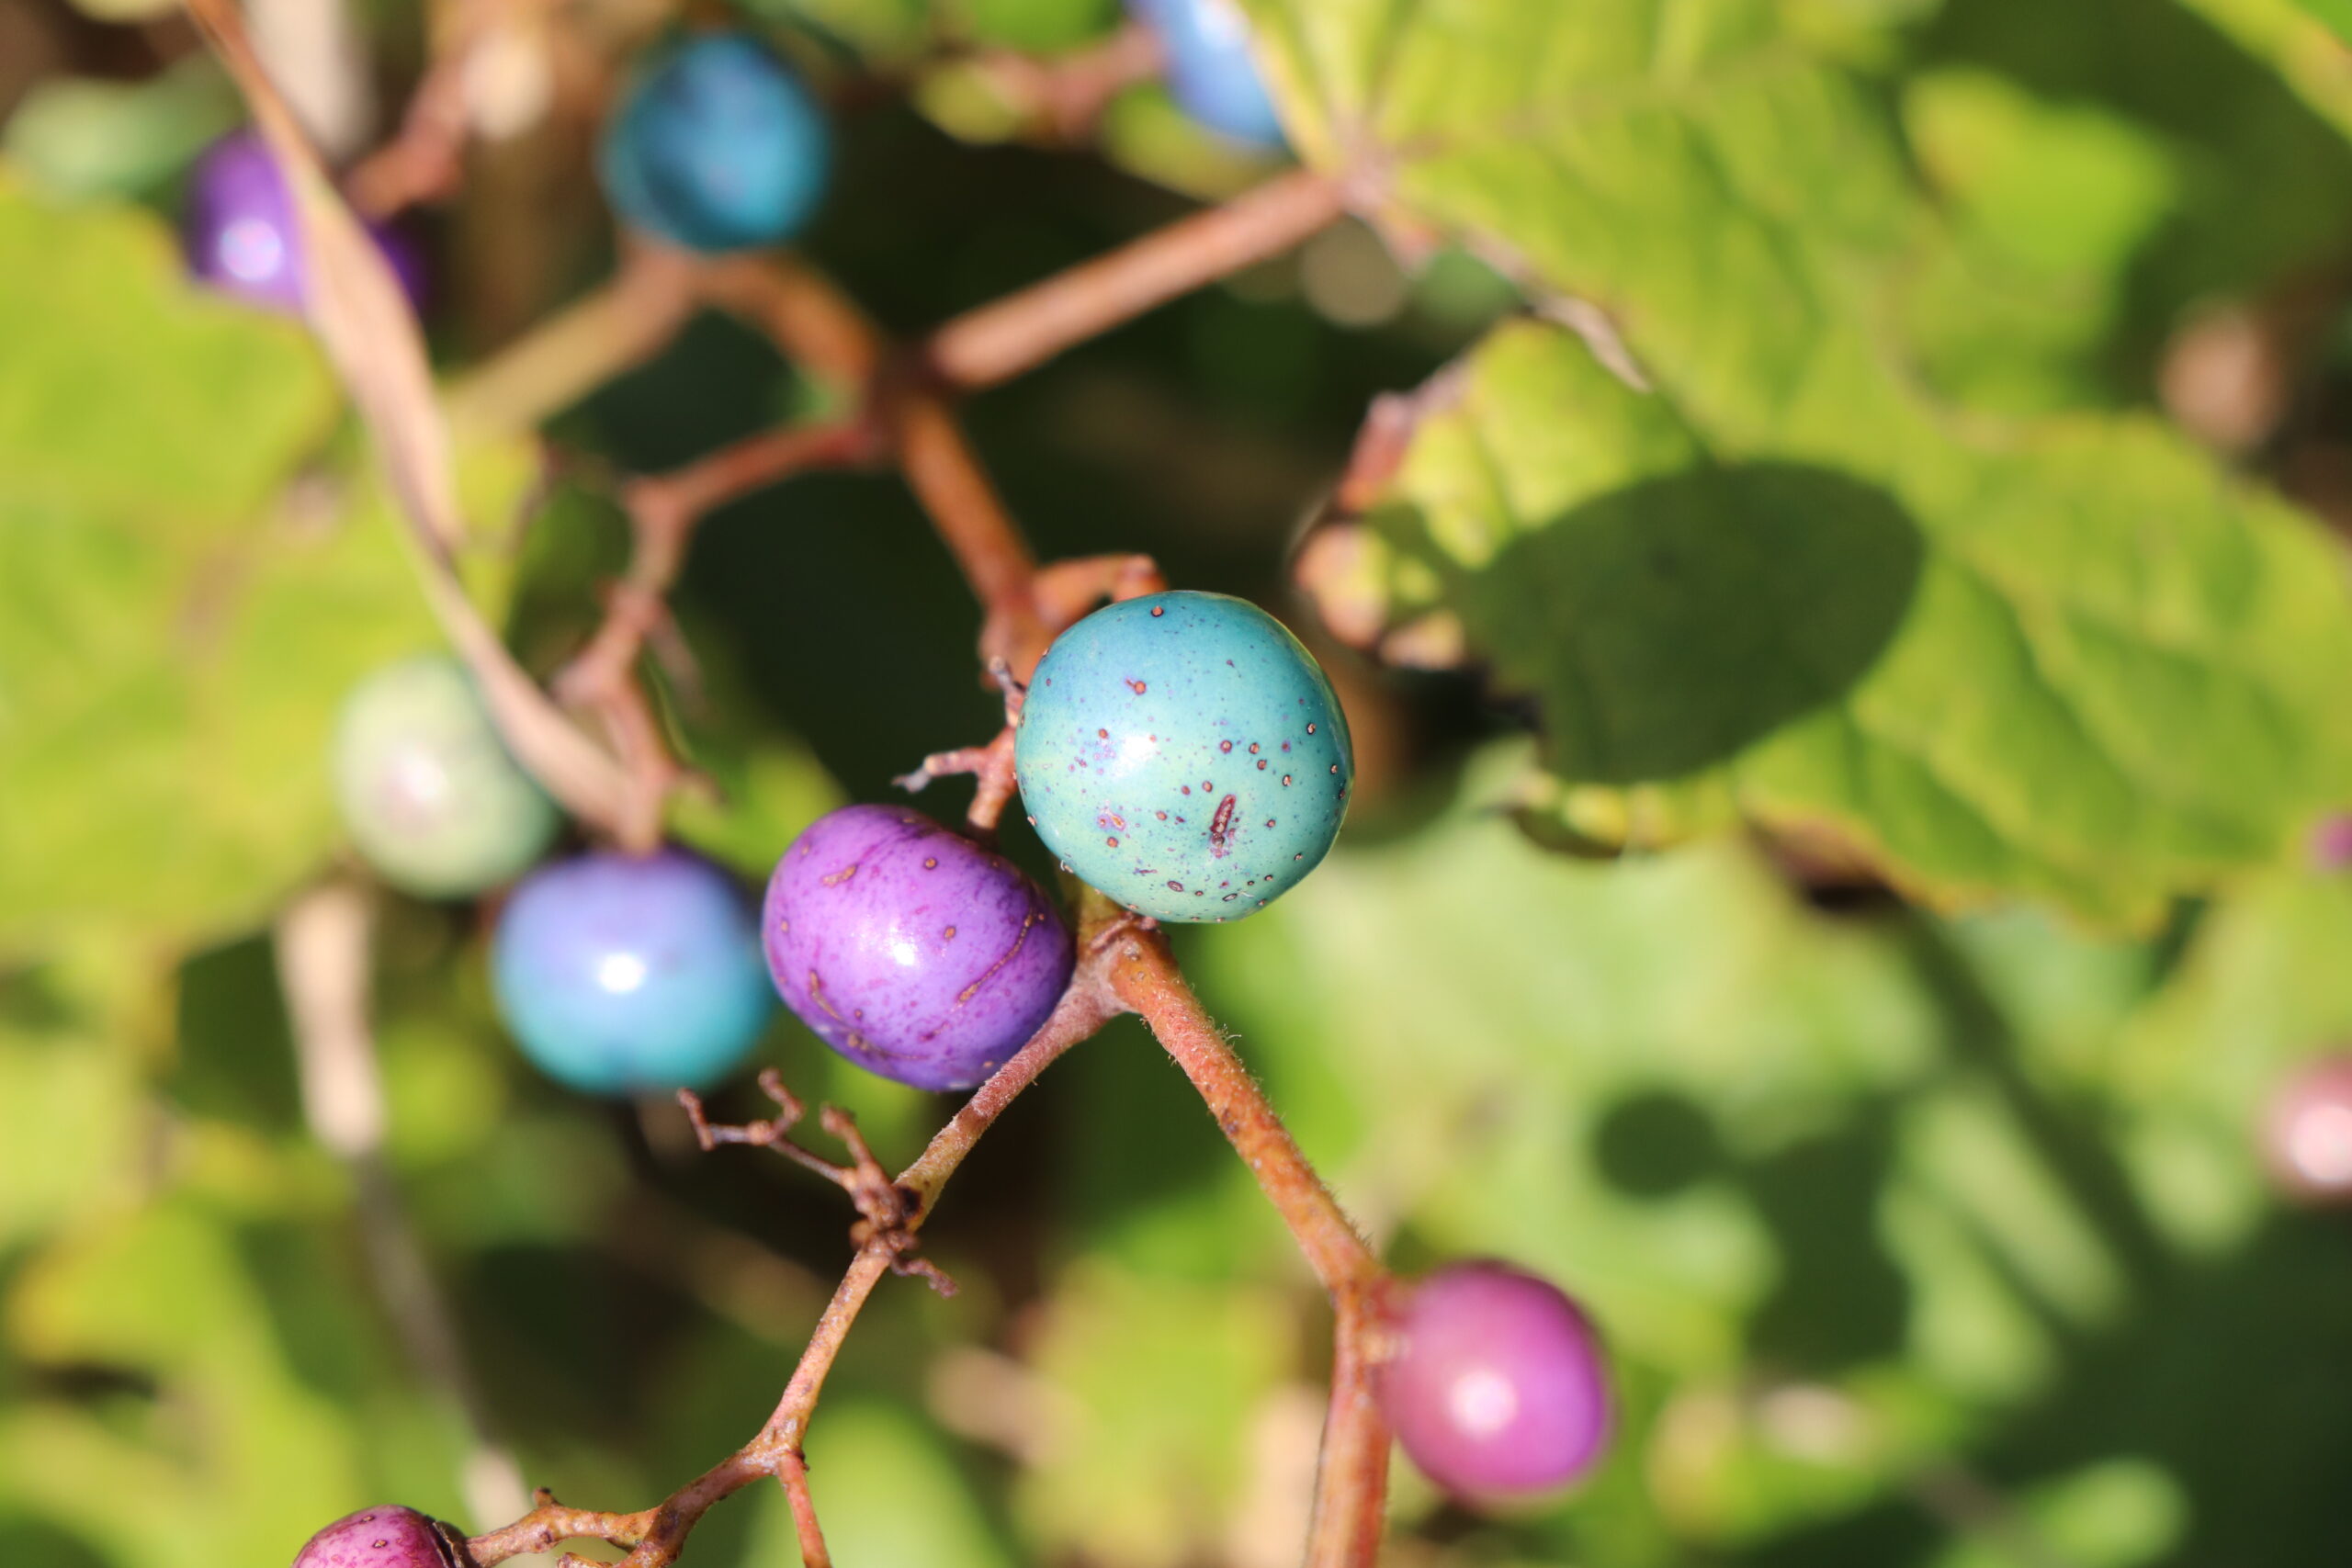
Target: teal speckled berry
(1184,754)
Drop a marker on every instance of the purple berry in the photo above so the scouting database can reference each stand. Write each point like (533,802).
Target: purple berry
(911,950)
(384,1538)
(240,234)
(2307,1134)
(1497,1388)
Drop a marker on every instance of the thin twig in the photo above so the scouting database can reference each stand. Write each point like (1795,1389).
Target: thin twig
(1064,96)
(990,765)
(1146,980)
(654,1535)
(1023,330)
(792,1474)
(1352,1478)
(606,331)
(322,942)
(1351,1485)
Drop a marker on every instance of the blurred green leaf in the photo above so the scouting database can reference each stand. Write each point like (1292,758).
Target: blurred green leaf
(2049,204)
(1155,1385)
(81,137)
(1039,26)
(234,1453)
(889,1491)
(178,626)
(2336,14)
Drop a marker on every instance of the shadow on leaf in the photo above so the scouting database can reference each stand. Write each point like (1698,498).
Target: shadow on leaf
(1667,626)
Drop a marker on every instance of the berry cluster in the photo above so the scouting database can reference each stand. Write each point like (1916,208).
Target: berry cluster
(1182,752)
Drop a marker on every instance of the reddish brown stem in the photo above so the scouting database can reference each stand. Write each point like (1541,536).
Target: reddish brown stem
(676,500)
(1351,1481)
(972,522)
(792,1474)
(1021,331)
(990,765)
(814,323)
(585,344)
(1147,979)
(1064,97)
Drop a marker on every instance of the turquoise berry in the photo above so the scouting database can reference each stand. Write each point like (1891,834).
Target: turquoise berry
(428,790)
(718,147)
(620,973)
(1186,755)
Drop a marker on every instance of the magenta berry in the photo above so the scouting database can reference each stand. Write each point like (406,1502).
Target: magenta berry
(2307,1132)
(911,950)
(2331,843)
(1497,1388)
(384,1538)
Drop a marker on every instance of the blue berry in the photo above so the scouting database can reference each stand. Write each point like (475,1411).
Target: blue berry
(1186,755)
(1211,74)
(428,792)
(718,147)
(618,973)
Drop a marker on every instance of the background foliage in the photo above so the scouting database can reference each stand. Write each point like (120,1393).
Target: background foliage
(1828,882)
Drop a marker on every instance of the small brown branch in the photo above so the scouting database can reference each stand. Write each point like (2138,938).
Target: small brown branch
(792,1474)
(1351,1481)
(663,512)
(424,158)
(667,506)
(971,520)
(608,330)
(1064,96)
(884,1212)
(1147,979)
(1000,341)
(1066,589)
(812,322)
(990,765)
(549,1522)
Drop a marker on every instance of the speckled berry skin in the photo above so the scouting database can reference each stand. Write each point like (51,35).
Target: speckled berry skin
(428,792)
(1497,1388)
(622,975)
(910,948)
(1186,755)
(239,232)
(1211,73)
(383,1538)
(718,147)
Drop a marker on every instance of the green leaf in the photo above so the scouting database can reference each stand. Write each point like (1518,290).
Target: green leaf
(83,137)
(2068,658)
(2084,666)
(175,627)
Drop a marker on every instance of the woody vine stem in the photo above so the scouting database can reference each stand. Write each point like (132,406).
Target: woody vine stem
(901,414)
